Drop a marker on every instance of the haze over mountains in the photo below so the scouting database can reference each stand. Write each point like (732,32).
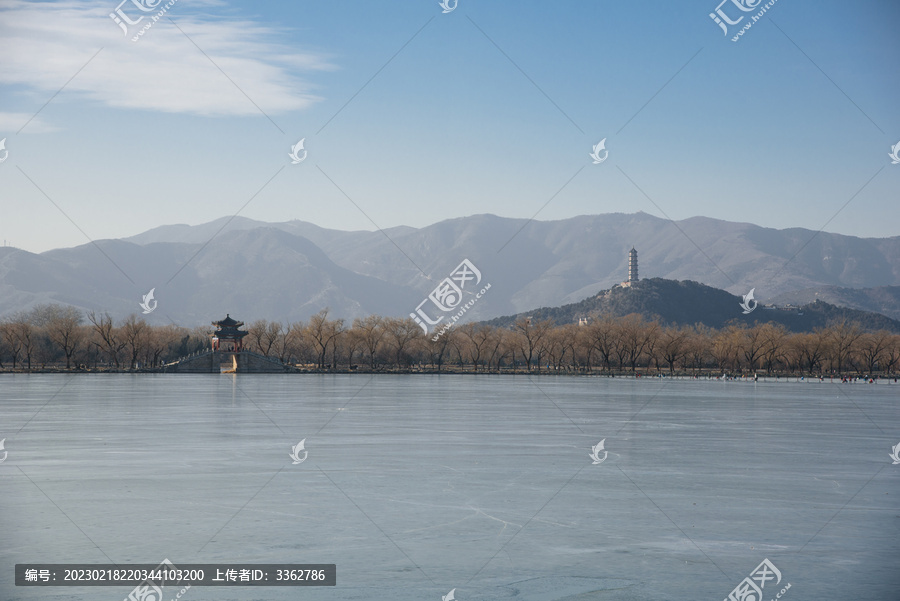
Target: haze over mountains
(291,270)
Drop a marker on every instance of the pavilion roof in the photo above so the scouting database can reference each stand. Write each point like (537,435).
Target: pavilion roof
(228,322)
(228,328)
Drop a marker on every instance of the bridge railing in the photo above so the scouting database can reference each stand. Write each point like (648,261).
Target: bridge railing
(207,352)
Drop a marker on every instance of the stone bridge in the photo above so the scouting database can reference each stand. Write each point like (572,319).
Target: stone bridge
(214,362)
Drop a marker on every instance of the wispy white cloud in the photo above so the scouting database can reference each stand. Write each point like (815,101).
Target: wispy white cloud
(13,122)
(46,43)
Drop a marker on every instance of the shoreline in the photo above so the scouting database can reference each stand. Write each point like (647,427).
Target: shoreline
(709,377)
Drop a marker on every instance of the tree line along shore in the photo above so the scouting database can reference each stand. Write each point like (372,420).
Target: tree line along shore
(58,338)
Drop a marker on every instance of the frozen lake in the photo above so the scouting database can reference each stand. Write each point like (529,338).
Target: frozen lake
(416,485)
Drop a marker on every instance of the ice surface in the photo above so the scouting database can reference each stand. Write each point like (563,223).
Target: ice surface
(415,485)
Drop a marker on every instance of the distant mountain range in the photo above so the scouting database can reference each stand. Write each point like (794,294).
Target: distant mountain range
(674,303)
(291,270)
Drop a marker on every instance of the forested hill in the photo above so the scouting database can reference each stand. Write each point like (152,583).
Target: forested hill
(674,302)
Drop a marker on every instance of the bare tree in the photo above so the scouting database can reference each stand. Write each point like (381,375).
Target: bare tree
(570,342)
(751,341)
(478,338)
(531,335)
(401,333)
(557,345)
(651,337)
(158,343)
(811,348)
(321,333)
(842,338)
(290,343)
(371,332)
(699,347)
(603,336)
(107,336)
(793,353)
(673,346)
(436,350)
(497,347)
(873,348)
(583,349)
(11,339)
(726,347)
(774,337)
(892,355)
(135,332)
(340,347)
(635,338)
(23,331)
(353,347)
(264,335)
(63,326)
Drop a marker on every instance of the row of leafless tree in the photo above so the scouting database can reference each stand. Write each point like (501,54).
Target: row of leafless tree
(53,336)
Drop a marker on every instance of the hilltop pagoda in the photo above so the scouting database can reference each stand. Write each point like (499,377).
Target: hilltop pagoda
(228,337)
(632,269)
(632,266)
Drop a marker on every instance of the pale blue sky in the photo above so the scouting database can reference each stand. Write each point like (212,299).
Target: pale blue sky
(151,132)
